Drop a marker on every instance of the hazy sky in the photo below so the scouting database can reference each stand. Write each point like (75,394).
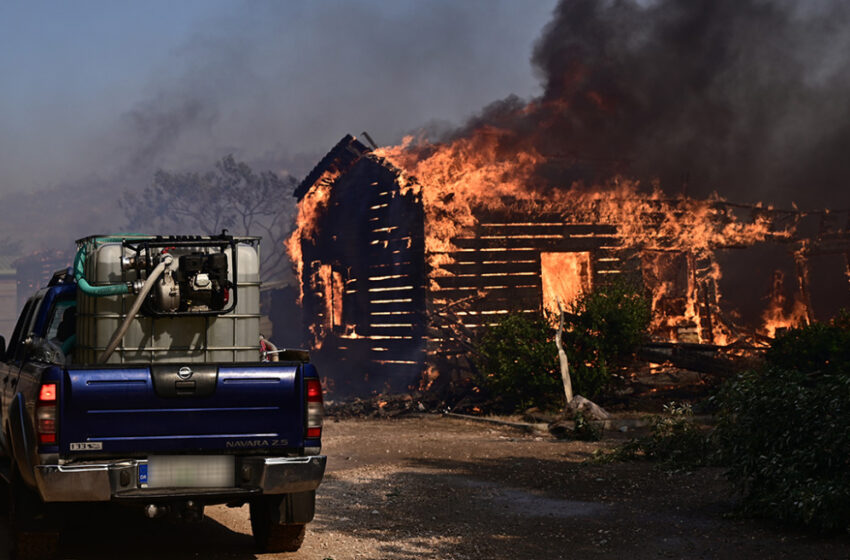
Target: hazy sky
(746,97)
(110,91)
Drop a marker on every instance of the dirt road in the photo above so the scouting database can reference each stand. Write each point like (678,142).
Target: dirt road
(433,487)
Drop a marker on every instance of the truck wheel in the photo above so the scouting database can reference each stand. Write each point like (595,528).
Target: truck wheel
(33,529)
(4,498)
(269,534)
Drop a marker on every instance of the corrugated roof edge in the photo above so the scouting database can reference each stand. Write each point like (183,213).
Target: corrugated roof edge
(347,150)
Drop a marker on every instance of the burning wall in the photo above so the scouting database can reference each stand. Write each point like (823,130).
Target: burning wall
(401,270)
(359,249)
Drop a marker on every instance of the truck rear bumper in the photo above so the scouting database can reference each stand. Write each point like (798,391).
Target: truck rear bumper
(119,480)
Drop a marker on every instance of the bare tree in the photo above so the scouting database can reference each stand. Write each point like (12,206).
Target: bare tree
(10,246)
(562,356)
(231,196)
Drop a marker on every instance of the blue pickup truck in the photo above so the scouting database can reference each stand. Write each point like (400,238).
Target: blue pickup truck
(138,377)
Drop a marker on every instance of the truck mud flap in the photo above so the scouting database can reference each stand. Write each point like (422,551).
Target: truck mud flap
(299,507)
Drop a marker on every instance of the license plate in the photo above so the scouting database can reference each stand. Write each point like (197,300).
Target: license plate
(187,471)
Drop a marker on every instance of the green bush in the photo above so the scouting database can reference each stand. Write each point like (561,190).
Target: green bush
(785,437)
(518,360)
(519,363)
(784,432)
(674,440)
(586,429)
(818,347)
(603,332)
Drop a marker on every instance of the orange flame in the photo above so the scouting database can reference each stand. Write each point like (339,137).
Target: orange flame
(565,276)
(474,173)
(330,284)
(310,208)
(459,177)
(777,316)
(428,377)
(493,170)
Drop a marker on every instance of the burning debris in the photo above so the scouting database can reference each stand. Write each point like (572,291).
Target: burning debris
(381,406)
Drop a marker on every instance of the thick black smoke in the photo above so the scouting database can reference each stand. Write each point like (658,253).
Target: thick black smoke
(749,98)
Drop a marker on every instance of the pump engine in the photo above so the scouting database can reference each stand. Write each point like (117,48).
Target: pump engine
(196,278)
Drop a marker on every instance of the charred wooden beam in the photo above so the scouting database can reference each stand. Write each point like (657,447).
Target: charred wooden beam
(518,244)
(702,359)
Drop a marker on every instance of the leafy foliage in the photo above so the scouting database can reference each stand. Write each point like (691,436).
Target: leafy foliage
(519,363)
(823,347)
(785,436)
(783,432)
(231,196)
(675,440)
(585,429)
(603,332)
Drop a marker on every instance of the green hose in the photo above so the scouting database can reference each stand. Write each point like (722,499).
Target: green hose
(83,284)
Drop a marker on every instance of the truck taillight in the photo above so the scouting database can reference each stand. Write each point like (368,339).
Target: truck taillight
(45,414)
(315,408)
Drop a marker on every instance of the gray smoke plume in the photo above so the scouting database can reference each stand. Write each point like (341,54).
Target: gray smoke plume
(273,83)
(749,98)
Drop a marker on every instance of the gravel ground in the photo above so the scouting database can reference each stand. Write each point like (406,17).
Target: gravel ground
(434,487)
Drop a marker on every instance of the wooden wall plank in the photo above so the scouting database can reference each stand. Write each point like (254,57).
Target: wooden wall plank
(493,267)
(564,230)
(571,244)
(488,282)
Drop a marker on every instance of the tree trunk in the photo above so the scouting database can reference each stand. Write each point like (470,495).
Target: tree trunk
(562,357)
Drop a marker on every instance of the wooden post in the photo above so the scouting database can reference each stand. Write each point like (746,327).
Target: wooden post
(562,356)
(801,261)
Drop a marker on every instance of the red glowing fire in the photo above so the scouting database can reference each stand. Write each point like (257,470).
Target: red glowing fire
(459,180)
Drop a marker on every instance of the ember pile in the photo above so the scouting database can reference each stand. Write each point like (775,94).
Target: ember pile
(646,387)
(379,406)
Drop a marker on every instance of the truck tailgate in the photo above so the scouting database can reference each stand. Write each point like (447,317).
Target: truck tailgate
(173,409)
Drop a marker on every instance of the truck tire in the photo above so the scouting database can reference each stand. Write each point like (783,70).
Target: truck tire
(33,527)
(270,534)
(4,498)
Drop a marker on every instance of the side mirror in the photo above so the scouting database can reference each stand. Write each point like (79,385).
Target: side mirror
(25,348)
(2,349)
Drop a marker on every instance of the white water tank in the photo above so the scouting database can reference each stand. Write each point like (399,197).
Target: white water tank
(226,338)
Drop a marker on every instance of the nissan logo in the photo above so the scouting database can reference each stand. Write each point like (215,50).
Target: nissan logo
(184,373)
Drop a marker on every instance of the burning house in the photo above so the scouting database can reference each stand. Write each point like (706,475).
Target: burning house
(360,256)
(403,258)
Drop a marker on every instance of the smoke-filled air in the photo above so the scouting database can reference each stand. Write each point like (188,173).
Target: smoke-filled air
(746,98)
(97,98)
